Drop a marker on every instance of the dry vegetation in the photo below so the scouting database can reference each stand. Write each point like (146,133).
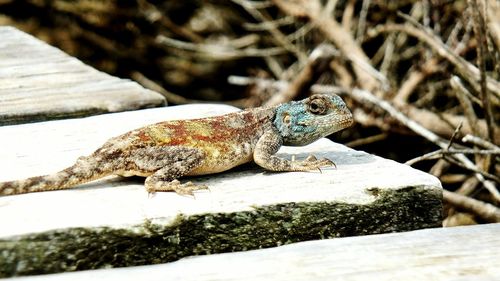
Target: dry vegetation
(422,77)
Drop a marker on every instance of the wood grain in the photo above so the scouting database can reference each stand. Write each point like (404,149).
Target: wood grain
(39,82)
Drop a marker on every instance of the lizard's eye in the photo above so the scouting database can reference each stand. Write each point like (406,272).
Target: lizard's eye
(317,106)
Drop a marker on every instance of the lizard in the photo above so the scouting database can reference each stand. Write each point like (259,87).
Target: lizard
(168,150)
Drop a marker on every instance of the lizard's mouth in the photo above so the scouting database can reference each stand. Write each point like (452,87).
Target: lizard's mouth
(344,119)
(347,120)
(340,122)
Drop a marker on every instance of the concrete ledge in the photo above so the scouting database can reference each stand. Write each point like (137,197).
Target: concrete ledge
(39,82)
(113,222)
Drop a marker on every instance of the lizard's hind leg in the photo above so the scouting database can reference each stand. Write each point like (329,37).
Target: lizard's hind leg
(165,165)
(160,181)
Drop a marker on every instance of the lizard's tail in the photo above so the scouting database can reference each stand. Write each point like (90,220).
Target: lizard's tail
(80,172)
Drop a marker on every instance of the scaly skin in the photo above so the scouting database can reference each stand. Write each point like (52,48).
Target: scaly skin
(166,151)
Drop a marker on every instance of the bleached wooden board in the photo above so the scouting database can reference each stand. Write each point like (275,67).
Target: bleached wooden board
(459,253)
(40,82)
(243,209)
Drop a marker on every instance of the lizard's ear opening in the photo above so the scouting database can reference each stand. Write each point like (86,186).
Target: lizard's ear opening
(286,118)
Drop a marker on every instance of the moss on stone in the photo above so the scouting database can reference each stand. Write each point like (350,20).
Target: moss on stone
(268,226)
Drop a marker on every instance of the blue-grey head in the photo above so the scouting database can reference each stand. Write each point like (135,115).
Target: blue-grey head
(303,122)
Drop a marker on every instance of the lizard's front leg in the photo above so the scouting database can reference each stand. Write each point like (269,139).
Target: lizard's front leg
(266,148)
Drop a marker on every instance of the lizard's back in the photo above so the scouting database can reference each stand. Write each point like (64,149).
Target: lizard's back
(226,141)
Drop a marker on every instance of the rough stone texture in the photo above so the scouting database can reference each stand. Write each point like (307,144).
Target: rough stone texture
(458,253)
(39,82)
(113,222)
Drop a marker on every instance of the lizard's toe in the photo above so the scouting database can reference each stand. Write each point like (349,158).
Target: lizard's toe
(310,164)
(186,189)
(311,158)
(327,162)
(314,162)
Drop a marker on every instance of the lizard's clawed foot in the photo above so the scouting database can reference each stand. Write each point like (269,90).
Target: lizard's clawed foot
(313,163)
(185,189)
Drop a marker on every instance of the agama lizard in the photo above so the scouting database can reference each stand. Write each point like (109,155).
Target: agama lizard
(166,151)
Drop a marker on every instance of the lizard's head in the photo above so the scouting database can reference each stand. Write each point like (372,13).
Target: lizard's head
(302,122)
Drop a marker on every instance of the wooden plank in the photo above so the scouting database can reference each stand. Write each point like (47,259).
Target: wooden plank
(247,208)
(39,82)
(459,253)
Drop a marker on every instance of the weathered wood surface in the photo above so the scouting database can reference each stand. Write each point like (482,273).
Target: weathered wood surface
(40,82)
(459,253)
(113,223)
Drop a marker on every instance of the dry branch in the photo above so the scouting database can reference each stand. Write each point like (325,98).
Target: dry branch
(480,30)
(218,51)
(483,210)
(467,70)
(340,37)
(317,62)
